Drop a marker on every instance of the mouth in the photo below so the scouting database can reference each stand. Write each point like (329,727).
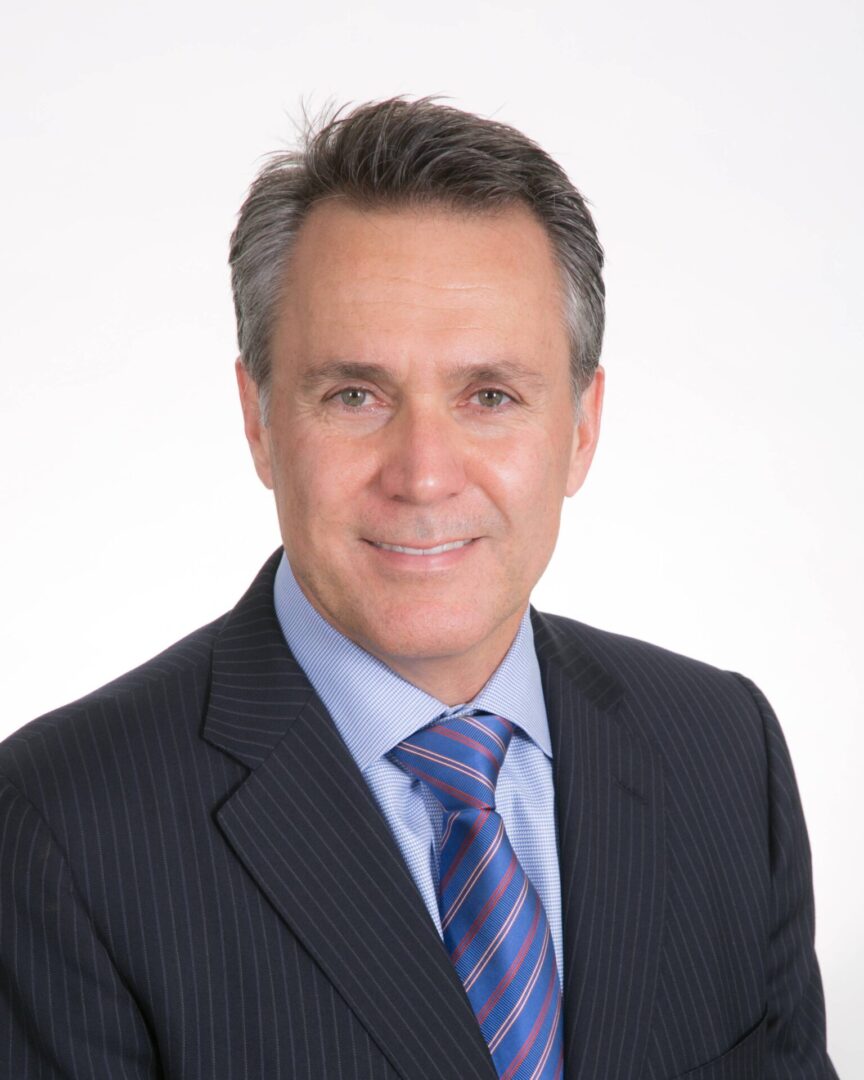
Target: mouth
(439,549)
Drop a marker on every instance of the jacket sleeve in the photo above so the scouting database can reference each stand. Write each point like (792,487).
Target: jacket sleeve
(795,1020)
(64,1008)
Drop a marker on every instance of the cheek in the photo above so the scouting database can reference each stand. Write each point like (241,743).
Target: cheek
(319,479)
(526,479)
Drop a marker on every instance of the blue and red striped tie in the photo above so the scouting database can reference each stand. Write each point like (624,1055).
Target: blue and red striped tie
(494,925)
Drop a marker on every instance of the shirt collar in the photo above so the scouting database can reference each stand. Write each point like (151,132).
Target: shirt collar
(372,707)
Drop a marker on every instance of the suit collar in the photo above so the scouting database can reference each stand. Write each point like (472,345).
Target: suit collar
(307,829)
(256,686)
(609,802)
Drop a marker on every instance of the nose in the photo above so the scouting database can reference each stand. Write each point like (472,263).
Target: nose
(424,459)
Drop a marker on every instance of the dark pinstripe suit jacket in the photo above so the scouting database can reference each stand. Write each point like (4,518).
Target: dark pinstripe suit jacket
(197,883)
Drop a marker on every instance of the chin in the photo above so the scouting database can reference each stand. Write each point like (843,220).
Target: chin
(427,632)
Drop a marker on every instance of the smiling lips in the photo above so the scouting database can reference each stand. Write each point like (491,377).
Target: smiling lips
(439,550)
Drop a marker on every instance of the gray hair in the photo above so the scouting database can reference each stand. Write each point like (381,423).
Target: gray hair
(400,153)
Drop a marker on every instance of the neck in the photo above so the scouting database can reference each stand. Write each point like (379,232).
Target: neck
(457,678)
(451,683)
(451,678)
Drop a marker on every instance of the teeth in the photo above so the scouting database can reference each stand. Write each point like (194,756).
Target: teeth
(423,551)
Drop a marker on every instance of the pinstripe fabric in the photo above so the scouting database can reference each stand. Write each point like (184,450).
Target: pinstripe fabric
(171,905)
(685,868)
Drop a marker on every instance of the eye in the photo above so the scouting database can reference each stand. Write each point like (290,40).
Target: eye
(491,399)
(353,397)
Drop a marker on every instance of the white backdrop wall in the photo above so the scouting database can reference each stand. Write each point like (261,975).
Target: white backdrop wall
(720,146)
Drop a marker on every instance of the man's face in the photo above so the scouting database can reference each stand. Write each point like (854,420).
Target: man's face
(422,432)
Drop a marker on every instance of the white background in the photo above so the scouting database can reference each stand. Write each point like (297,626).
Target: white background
(720,146)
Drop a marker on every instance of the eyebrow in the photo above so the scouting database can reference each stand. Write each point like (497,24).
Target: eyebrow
(337,370)
(493,372)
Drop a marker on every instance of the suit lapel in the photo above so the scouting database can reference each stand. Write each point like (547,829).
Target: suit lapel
(309,832)
(608,791)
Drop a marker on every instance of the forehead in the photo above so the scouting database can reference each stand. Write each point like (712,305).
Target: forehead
(429,271)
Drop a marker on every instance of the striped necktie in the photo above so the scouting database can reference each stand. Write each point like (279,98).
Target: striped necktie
(494,925)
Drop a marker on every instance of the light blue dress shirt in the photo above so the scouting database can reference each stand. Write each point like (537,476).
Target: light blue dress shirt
(374,709)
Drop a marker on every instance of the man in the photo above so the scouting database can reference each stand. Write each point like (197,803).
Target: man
(383,820)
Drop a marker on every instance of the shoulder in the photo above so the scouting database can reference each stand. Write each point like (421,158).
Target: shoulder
(106,734)
(631,661)
(669,697)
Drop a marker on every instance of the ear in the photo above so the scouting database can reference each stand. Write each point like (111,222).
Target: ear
(257,435)
(587,431)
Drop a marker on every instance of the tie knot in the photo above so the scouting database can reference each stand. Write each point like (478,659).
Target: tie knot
(459,758)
